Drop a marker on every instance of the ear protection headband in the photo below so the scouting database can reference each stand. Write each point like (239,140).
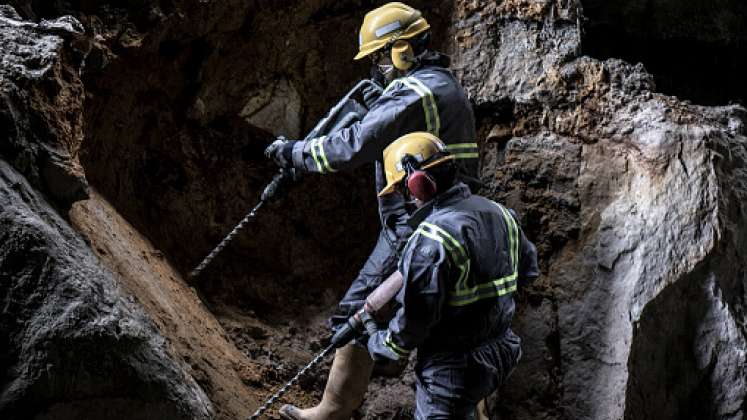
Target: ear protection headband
(421,185)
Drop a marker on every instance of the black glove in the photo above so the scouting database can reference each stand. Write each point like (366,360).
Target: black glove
(371,93)
(281,151)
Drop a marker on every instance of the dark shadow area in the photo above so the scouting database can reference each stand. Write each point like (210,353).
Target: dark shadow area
(665,380)
(696,49)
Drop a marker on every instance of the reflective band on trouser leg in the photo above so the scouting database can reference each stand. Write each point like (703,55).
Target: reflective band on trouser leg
(432,119)
(498,287)
(456,251)
(391,345)
(463,150)
(320,157)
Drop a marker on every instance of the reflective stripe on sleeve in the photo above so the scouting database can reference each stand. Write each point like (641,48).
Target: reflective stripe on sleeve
(320,157)
(391,345)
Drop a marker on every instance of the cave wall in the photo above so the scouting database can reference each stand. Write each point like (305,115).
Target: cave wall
(636,201)
(72,345)
(41,107)
(84,334)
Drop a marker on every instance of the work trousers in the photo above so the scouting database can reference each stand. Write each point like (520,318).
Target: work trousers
(381,263)
(451,383)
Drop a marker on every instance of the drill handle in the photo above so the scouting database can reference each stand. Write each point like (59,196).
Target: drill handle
(368,322)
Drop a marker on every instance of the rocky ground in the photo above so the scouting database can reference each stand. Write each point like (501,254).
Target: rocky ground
(132,138)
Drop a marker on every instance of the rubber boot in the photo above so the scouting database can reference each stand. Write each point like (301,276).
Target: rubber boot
(482,411)
(346,385)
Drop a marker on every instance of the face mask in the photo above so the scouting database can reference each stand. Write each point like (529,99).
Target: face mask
(385,69)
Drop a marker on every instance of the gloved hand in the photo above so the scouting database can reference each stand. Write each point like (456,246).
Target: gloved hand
(279,183)
(281,151)
(371,94)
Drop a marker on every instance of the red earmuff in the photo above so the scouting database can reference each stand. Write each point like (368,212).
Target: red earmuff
(421,185)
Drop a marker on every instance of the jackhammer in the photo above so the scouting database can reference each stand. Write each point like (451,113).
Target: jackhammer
(346,112)
(360,323)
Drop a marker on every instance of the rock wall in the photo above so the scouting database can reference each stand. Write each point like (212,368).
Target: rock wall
(41,102)
(72,344)
(110,334)
(637,202)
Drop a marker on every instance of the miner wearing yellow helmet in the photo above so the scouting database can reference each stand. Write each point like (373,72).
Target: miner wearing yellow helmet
(460,268)
(419,94)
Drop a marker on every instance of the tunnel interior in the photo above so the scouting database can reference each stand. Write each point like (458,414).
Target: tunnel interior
(178,112)
(696,49)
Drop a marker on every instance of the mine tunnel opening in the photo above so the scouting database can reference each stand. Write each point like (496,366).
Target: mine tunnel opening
(696,49)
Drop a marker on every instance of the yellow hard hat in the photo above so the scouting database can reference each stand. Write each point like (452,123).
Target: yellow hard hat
(389,23)
(426,148)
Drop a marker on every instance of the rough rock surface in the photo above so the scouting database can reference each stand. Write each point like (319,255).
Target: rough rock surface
(637,201)
(41,102)
(72,345)
(78,338)
(193,333)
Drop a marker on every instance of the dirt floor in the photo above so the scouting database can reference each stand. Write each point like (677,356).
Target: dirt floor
(238,356)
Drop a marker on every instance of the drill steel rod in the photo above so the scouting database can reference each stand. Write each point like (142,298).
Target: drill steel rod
(196,272)
(292,382)
(318,129)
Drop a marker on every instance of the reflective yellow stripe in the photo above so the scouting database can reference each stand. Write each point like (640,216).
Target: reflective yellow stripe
(462,296)
(448,237)
(458,254)
(491,285)
(314,154)
(320,157)
(432,120)
(466,155)
(461,146)
(394,347)
(463,150)
(433,106)
(513,236)
(486,294)
(424,100)
(324,155)
(464,266)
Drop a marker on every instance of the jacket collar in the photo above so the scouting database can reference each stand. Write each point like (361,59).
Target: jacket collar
(453,195)
(431,58)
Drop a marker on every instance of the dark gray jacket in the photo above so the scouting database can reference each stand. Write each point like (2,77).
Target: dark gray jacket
(461,268)
(429,99)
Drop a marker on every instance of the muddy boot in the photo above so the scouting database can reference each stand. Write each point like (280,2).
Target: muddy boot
(346,386)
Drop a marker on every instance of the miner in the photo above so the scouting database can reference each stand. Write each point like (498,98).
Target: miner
(420,94)
(461,268)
